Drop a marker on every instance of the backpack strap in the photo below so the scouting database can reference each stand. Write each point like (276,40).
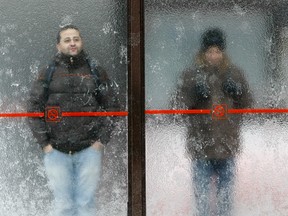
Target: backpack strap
(48,77)
(94,72)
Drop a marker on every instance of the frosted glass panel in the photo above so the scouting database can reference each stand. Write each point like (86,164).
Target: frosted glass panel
(28,42)
(211,150)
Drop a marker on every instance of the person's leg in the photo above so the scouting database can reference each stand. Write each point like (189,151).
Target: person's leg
(88,167)
(59,170)
(225,172)
(202,174)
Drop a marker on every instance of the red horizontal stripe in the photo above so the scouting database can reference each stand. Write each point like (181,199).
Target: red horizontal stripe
(149,112)
(14,115)
(153,112)
(78,114)
(256,111)
(230,111)
(64,114)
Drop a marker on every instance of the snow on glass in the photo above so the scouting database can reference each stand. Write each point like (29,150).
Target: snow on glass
(28,38)
(256,42)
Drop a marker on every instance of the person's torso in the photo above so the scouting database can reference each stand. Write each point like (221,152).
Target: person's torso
(216,135)
(73,90)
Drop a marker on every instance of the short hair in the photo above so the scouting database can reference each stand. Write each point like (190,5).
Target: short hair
(65,28)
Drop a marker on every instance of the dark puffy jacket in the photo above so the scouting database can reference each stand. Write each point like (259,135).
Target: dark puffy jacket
(202,88)
(72,89)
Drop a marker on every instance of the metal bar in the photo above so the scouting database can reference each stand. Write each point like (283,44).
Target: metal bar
(136,107)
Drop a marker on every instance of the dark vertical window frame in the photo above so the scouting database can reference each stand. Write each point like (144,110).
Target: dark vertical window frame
(136,107)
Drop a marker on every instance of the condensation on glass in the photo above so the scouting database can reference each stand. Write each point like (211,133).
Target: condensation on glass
(28,39)
(257,38)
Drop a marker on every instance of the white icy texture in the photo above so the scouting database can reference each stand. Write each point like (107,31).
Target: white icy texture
(261,180)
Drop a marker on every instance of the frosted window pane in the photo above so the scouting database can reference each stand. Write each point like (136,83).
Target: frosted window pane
(256,42)
(28,41)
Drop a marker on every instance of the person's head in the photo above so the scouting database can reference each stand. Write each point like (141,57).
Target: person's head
(213,44)
(69,40)
(214,56)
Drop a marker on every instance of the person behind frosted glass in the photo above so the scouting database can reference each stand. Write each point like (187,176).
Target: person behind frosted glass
(73,147)
(213,143)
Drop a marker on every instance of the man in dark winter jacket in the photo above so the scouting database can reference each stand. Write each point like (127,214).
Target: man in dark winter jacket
(73,146)
(213,142)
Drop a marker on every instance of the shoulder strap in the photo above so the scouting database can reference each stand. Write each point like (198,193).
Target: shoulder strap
(48,77)
(94,72)
(49,73)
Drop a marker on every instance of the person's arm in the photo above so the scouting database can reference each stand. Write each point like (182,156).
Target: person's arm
(186,97)
(237,88)
(36,103)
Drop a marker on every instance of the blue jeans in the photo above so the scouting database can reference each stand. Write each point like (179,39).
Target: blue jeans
(74,180)
(203,172)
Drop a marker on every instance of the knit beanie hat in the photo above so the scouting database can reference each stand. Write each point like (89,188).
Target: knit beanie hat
(213,37)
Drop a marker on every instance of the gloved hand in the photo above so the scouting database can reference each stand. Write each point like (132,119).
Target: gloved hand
(232,88)
(202,91)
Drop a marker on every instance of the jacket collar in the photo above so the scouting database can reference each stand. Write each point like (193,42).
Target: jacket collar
(71,61)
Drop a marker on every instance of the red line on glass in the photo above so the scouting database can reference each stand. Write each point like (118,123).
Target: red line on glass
(63,114)
(153,112)
(229,111)
(78,114)
(256,111)
(16,115)
(148,112)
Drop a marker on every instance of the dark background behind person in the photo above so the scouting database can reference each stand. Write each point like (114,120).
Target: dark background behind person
(27,31)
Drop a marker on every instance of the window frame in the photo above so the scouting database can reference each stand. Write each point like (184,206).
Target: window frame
(136,96)
(136,107)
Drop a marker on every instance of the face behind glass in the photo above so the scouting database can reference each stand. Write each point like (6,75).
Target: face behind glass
(70,42)
(214,56)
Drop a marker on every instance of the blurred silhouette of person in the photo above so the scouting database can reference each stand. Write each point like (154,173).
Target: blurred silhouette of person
(213,143)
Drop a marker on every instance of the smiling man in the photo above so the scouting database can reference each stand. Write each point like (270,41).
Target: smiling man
(69,41)
(73,146)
